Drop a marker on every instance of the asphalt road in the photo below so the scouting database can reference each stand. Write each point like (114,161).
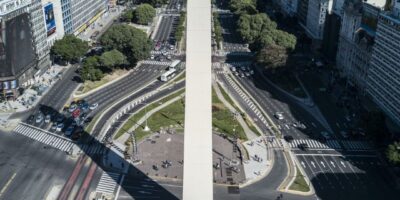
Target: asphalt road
(29,171)
(166,27)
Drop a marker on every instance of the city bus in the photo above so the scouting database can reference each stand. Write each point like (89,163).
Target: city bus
(168,75)
(175,65)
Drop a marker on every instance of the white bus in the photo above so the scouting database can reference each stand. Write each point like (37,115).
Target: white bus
(168,75)
(176,65)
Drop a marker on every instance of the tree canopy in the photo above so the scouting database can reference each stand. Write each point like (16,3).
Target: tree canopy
(69,48)
(154,3)
(90,69)
(250,27)
(243,6)
(393,153)
(113,58)
(132,42)
(180,28)
(127,16)
(144,14)
(272,56)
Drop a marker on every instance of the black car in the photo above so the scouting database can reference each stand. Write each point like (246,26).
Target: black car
(288,138)
(303,146)
(31,119)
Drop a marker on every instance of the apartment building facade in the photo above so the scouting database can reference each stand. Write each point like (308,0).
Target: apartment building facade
(383,81)
(24,52)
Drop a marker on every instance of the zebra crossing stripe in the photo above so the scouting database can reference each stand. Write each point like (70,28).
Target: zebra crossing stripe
(108,182)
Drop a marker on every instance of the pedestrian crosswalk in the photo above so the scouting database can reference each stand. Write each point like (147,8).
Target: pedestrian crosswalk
(45,137)
(93,149)
(314,144)
(349,145)
(57,141)
(154,62)
(108,183)
(247,100)
(356,145)
(275,143)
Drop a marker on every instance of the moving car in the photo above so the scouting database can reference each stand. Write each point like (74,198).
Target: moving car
(30,119)
(69,131)
(60,126)
(72,107)
(288,138)
(54,126)
(39,118)
(279,115)
(303,146)
(47,119)
(93,106)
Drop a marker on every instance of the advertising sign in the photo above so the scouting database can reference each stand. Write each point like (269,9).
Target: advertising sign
(49,18)
(14,84)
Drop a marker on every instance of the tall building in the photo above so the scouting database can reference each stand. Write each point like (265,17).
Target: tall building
(317,11)
(384,72)
(288,7)
(24,52)
(357,37)
(79,14)
(53,19)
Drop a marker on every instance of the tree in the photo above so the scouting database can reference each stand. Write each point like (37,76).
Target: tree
(132,42)
(127,16)
(393,153)
(154,3)
(69,48)
(90,69)
(113,59)
(272,56)
(243,6)
(250,27)
(144,14)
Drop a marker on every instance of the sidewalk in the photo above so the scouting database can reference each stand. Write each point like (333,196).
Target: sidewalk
(260,160)
(126,135)
(249,133)
(34,93)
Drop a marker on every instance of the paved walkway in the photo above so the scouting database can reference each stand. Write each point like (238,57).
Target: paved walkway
(126,135)
(260,161)
(249,133)
(32,95)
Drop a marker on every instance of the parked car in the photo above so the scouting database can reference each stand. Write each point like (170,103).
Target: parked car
(93,106)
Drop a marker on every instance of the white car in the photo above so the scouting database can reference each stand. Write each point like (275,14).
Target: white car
(60,126)
(279,115)
(72,108)
(233,69)
(47,119)
(93,106)
(39,118)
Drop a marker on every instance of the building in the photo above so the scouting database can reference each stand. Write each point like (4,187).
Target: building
(316,15)
(383,83)
(78,15)
(288,7)
(24,52)
(54,20)
(357,38)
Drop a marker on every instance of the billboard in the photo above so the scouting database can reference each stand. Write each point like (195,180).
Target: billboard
(49,18)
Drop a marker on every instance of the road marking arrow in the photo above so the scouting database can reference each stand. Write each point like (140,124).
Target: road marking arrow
(313,164)
(322,163)
(341,162)
(333,164)
(302,163)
